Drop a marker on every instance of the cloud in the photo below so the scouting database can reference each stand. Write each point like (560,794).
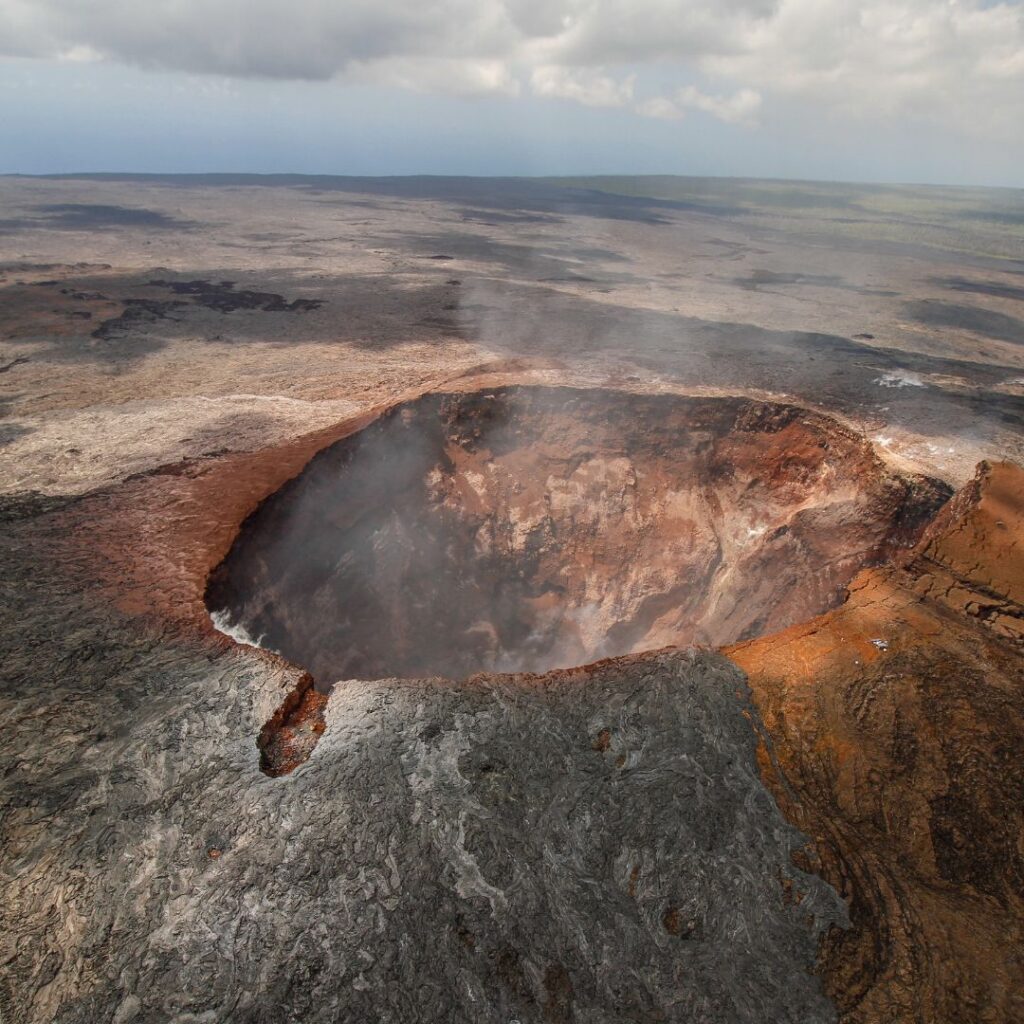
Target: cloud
(302,39)
(640,31)
(956,63)
(740,108)
(446,75)
(660,107)
(590,88)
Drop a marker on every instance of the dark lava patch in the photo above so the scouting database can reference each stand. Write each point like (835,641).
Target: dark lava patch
(95,217)
(220,296)
(966,284)
(986,322)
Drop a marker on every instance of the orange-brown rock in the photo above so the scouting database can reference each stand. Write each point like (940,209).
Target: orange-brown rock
(897,723)
(288,738)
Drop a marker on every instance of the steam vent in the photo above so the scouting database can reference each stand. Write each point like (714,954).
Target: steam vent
(525,529)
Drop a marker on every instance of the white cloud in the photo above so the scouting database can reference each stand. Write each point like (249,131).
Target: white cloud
(956,63)
(660,107)
(639,31)
(449,76)
(80,55)
(740,108)
(591,88)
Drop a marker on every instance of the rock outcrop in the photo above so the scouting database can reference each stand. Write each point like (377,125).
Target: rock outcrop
(897,723)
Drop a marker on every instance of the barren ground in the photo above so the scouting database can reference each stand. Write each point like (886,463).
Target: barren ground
(612,842)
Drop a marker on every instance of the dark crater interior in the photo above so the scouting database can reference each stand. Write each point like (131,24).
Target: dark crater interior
(529,528)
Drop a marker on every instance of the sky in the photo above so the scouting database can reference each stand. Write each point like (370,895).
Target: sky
(881,90)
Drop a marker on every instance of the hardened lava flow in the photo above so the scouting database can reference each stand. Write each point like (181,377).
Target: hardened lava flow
(523,529)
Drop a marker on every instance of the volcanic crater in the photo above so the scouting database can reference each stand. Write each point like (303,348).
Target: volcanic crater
(527,528)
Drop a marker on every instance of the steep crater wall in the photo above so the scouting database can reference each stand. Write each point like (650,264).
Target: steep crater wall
(528,528)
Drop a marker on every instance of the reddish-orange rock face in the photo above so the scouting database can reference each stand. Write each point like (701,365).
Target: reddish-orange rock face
(897,722)
(290,735)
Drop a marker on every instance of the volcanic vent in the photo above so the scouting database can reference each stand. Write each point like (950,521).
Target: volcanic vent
(528,528)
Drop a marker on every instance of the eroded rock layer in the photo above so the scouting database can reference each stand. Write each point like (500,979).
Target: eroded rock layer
(530,528)
(898,726)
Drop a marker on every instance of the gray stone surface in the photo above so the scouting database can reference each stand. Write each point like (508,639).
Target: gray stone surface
(480,852)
